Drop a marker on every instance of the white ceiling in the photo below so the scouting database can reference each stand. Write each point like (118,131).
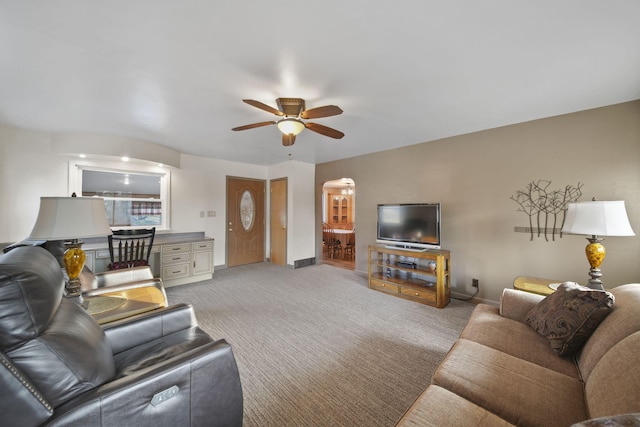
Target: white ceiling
(404,72)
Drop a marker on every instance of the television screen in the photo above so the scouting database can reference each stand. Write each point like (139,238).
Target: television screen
(409,225)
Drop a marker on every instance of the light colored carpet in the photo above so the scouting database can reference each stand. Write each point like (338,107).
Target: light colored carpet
(316,347)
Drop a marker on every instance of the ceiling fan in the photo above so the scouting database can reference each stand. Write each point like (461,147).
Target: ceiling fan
(293,110)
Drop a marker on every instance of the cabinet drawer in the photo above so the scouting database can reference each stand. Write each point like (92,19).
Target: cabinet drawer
(202,246)
(424,295)
(103,254)
(178,248)
(175,258)
(175,271)
(385,287)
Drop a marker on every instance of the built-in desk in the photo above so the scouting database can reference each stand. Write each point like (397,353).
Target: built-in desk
(177,258)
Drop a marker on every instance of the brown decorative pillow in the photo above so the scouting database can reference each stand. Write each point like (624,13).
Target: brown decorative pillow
(569,316)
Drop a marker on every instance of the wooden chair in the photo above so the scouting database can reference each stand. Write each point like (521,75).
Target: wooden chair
(350,245)
(134,248)
(330,242)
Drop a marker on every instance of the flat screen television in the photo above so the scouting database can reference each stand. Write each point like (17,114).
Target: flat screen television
(409,225)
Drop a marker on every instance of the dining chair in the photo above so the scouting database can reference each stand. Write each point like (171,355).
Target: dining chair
(134,248)
(331,243)
(350,245)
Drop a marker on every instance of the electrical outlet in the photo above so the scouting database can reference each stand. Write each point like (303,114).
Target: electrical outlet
(475,283)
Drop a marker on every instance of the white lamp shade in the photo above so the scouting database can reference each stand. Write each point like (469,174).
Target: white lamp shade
(597,218)
(64,218)
(290,126)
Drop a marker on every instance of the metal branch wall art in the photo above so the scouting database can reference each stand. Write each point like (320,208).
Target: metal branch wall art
(545,206)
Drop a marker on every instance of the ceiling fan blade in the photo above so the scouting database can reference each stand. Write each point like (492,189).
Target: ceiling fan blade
(288,139)
(324,130)
(254,125)
(264,107)
(326,111)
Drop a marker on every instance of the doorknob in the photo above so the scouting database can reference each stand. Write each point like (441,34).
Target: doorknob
(231,229)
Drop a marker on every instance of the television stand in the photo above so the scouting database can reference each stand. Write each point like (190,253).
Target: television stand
(418,275)
(407,248)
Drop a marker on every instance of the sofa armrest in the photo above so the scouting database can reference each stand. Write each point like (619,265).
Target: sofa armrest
(198,387)
(515,304)
(133,331)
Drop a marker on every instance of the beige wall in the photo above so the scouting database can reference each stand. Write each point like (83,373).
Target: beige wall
(474,175)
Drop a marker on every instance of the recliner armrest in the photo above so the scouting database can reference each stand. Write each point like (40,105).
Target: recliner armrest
(515,304)
(133,331)
(199,387)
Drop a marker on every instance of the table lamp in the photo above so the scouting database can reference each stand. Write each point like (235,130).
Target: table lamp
(70,219)
(597,218)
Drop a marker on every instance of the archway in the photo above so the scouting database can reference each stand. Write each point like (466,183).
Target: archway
(338,223)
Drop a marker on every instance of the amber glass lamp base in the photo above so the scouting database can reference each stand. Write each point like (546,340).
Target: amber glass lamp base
(595,255)
(74,258)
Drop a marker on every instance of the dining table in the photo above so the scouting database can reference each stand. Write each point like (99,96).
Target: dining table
(344,234)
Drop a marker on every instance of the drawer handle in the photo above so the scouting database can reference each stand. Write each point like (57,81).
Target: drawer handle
(383,285)
(417,294)
(177,258)
(175,249)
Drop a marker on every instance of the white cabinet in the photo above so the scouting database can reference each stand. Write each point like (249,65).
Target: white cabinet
(202,257)
(175,259)
(182,263)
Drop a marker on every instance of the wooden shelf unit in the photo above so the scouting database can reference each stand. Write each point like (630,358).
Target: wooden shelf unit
(411,275)
(339,209)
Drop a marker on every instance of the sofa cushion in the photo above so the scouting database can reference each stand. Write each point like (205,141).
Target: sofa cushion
(521,392)
(569,316)
(486,326)
(438,407)
(69,358)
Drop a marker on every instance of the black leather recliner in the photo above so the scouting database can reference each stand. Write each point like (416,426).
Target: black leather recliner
(60,368)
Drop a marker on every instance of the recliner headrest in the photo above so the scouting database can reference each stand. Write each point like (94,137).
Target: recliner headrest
(31,287)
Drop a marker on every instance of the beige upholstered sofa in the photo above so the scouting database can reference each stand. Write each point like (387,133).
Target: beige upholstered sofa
(501,372)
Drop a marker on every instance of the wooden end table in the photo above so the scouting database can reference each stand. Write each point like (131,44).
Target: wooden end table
(109,308)
(535,285)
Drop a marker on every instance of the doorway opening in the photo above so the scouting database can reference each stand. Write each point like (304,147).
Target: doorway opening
(338,223)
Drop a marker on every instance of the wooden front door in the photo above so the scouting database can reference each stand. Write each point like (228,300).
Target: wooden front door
(278,228)
(245,221)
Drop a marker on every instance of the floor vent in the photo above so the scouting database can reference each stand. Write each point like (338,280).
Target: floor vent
(304,262)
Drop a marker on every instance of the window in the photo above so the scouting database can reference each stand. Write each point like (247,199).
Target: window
(134,197)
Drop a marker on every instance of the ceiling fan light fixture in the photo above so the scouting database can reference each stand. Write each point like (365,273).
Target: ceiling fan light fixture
(290,126)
